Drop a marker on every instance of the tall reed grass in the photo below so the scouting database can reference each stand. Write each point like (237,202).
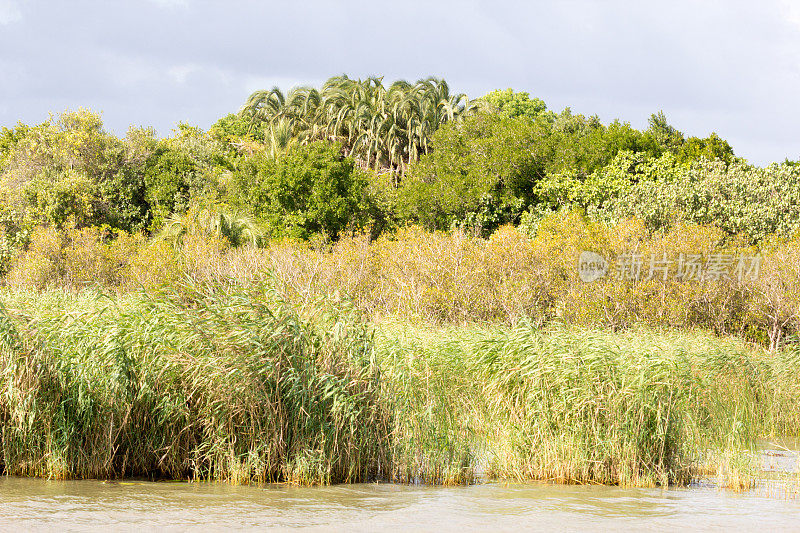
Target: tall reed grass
(229,381)
(583,406)
(215,382)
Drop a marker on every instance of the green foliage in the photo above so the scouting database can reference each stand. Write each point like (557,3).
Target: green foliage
(215,221)
(431,166)
(481,170)
(169,177)
(487,170)
(663,133)
(188,166)
(711,148)
(233,127)
(69,198)
(70,168)
(517,104)
(572,189)
(310,190)
(209,382)
(584,145)
(9,139)
(229,382)
(739,198)
(668,138)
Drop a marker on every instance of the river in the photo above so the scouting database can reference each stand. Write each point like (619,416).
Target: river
(33,504)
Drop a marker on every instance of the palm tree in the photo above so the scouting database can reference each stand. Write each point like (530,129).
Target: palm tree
(382,128)
(218,221)
(279,137)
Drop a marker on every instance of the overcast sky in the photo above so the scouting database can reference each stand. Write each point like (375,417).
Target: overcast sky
(725,66)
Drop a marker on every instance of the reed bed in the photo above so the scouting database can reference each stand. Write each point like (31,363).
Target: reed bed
(228,381)
(212,382)
(585,406)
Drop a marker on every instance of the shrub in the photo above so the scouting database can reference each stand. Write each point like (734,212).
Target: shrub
(740,199)
(81,257)
(310,190)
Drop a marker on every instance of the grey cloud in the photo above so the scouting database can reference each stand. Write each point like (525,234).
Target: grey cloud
(732,67)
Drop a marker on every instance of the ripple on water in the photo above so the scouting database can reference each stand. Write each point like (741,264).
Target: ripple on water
(79,505)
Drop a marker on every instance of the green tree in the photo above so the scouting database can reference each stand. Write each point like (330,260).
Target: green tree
(740,198)
(312,189)
(668,137)
(712,147)
(517,104)
(584,145)
(190,165)
(481,172)
(65,163)
(233,127)
(384,128)
(572,189)
(168,177)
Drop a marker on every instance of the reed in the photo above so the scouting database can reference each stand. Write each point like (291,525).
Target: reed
(228,381)
(585,406)
(213,382)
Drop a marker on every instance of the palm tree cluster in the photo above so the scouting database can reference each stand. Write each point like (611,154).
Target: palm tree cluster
(380,127)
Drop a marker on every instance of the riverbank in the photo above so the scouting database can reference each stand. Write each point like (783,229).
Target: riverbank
(229,382)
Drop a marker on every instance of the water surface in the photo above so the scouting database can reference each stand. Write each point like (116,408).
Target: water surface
(33,504)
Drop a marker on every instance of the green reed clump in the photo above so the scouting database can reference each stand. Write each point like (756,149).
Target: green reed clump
(429,392)
(227,381)
(208,381)
(784,391)
(587,407)
(577,406)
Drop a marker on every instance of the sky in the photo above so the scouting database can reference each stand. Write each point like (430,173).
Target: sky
(725,66)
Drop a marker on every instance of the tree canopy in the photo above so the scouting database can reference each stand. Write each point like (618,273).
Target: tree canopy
(364,155)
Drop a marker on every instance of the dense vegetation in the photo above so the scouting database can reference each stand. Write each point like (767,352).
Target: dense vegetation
(225,304)
(228,382)
(380,158)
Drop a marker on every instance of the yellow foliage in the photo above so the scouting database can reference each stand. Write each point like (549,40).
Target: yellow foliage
(458,277)
(76,258)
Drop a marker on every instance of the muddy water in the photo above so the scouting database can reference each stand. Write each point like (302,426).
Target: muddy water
(30,504)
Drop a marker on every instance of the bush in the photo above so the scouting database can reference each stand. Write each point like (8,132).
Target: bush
(458,277)
(311,190)
(740,199)
(93,256)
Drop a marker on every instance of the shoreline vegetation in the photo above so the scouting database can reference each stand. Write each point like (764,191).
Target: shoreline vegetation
(365,282)
(230,382)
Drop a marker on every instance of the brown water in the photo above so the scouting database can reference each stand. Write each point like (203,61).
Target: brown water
(32,504)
